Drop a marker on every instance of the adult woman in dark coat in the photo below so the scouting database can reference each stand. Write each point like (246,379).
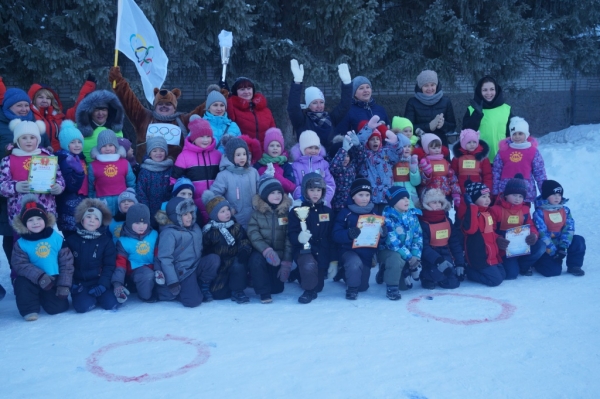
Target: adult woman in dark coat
(488,114)
(429,110)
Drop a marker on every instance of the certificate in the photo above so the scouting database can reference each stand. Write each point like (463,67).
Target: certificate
(517,245)
(370,228)
(42,173)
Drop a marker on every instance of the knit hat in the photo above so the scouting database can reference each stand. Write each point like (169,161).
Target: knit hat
(21,128)
(177,207)
(166,96)
(273,134)
(232,145)
(308,138)
(427,76)
(266,185)
(127,195)
(93,206)
(13,96)
(138,213)
(395,194)
(107,137)
(400,123)
(68,133)
(359,185)
(31,207)
(242,82)
(434,194)
(518,124)
(198,127)
(357,82)
(313,180)
(551,187)
(476,189)
(427,139)
(213,204)
(403,141)
(311,94)
(516,185)
(214,96)
(123,142)
(153,142)
(93,211)
(181,184)
(468,135)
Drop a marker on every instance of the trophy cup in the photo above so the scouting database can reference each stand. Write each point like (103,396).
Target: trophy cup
(225,42)
(302,213)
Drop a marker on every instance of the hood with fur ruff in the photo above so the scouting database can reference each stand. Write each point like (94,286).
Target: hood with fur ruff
(263,207)
(83,115)
(93,203)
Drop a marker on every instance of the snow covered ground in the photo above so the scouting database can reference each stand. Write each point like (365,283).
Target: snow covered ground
(534,337)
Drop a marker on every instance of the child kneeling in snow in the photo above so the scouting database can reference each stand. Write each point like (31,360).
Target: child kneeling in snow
(225,237)
(314,262)
(442,247)
(42,262)
(400,256)
(484,264)
(271,261)
(181,273)
(557,231)
(94,257)
(135,256)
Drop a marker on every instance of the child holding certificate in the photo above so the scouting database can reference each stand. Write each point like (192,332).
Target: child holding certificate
(311,244)
(557,231)
(510,212)
(443,260)
(14,179)
(484,263)
(355,260)
(400,256)
(110,172)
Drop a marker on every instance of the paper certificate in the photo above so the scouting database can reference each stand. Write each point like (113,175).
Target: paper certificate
(370,227)
(171,133)
(42,173)
(517,245)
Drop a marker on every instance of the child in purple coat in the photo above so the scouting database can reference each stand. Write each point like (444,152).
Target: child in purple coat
(308,157)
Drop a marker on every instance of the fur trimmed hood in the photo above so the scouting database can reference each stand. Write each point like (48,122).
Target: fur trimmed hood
(480,152)
(93,203)
(434,194)
(263,207)
(83,115)
(22,229)
(176,207)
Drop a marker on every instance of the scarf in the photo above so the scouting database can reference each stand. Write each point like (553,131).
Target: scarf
(436,157)
(321,119)
(86,234)
(42,235)
(267,159)
(433,216)
(108,157)
(520,146)
(170,118)
(20,153)
(222,229)
(154,166)
(429,100)
(362,210)
(11,115)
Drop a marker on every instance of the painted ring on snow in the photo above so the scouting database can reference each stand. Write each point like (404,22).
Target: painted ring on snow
(506,312)
(93,361)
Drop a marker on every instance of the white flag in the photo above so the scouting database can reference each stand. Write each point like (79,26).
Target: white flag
(137,39)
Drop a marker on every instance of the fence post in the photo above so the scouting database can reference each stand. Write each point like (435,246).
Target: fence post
(573,98)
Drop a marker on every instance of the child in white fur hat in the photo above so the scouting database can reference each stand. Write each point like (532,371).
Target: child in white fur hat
(519,154)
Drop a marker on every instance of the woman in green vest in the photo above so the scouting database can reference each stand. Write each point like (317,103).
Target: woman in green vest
(488,114)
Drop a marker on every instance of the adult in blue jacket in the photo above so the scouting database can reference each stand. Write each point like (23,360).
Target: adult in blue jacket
(312,115)
(363,107)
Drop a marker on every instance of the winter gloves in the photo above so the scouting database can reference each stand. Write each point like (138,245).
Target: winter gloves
(304,237)
(56,189)
(531,239)
(502,243)
(344,73)
(561,253)
(121,293)
(414,163)
(159,277)
(174,288)
(271,257)
(97,290)
(444,265)
(22,187)
(456,200)
(46,282)
(297,71)
(353,232)
(62,292)
(425,167)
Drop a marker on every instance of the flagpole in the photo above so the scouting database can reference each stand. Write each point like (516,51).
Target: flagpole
(119,9)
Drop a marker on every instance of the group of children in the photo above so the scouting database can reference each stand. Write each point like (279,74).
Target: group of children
(209,224)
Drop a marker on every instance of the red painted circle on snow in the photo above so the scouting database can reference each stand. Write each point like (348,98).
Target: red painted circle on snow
(93,362)
(506,312)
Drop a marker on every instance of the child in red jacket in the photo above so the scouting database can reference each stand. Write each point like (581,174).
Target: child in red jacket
(510,211)
(484,264)
(436,171)
(471,162)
